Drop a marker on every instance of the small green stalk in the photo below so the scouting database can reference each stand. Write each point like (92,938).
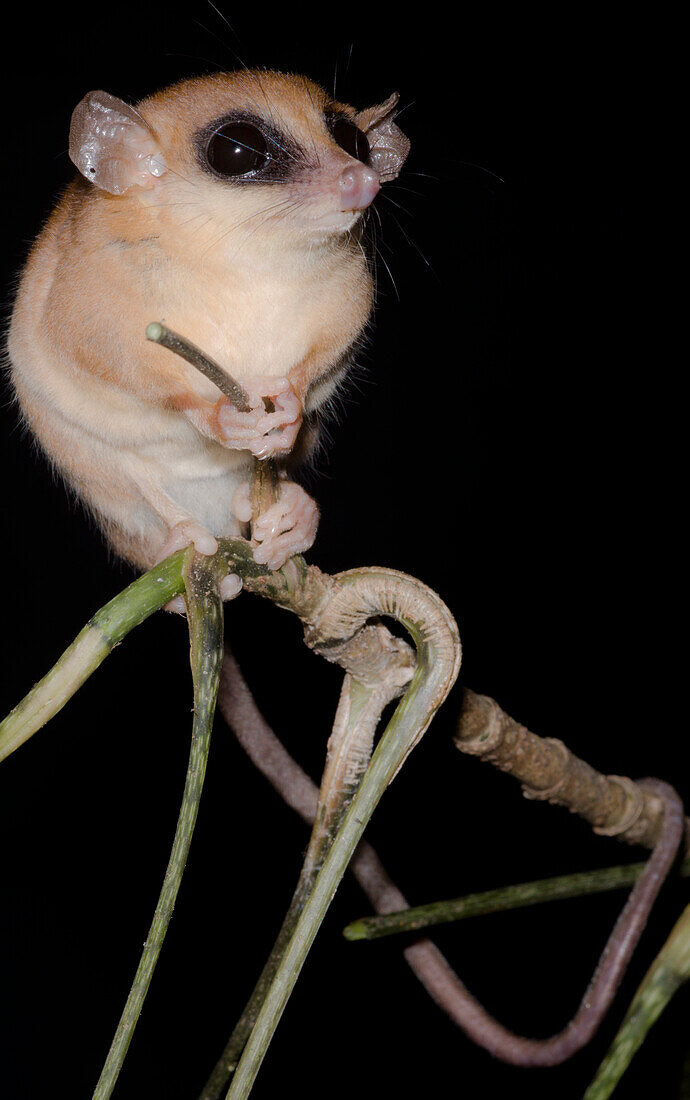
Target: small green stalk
(359,711)
(668,972)
(494,901)
(92,645)
(438,657)
(205,614)
(107,628)
(381,770)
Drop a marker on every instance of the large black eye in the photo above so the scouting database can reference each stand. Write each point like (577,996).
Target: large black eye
(350,138)
(236,149)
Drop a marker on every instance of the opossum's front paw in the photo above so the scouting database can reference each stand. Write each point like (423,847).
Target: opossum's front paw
(184,534)
(288,527)
(263,433)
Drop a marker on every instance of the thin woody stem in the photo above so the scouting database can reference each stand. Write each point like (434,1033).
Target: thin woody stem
(613,805)
(548,771)
(180,345)
(501,900)
(205,615)
(645,812)
(265,485)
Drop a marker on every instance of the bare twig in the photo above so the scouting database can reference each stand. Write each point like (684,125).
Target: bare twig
(265,484)
(612,804)
(180,345)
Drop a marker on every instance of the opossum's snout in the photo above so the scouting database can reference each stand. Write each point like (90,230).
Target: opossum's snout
(358,186)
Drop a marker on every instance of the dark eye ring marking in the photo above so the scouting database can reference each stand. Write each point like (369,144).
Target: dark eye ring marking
(245,149)
(350,138)
(236,149)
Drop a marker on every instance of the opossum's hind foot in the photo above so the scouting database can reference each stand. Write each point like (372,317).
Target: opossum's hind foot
(186,533)
(288,527)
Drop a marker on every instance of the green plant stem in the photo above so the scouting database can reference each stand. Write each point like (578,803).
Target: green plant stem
(334,610)
(205,615)
(107,628)
(381,771)
(438,657)
(227,1062)
(359,712)
(495,901)
(102,633)
(668,972)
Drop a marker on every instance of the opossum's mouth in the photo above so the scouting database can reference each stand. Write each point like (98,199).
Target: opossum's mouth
(334,223)
(334,199)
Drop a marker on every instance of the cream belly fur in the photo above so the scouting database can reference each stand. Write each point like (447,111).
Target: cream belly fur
(107,438)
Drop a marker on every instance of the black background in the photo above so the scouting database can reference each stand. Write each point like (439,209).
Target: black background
(514,442)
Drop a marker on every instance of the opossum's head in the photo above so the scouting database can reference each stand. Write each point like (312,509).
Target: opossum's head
(246,154)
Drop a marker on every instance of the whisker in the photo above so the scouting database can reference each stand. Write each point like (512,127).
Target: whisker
(223,43)
(410,190)
(283,149)
(287,205)
(179,176)
(390,273)
(197,56)
(253,74)
(375,233)
(189,221)
(411,242)
(224,19)
(426,175)
(397,205)
(250,217)
(399,110)
(318,107)
(480,168)
(378,215)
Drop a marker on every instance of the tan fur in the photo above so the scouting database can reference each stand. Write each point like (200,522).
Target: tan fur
(263,291)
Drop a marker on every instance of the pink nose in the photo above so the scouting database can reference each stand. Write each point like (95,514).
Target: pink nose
(359,187)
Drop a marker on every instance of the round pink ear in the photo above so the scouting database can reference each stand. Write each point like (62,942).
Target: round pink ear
(112,146)
(387,144)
